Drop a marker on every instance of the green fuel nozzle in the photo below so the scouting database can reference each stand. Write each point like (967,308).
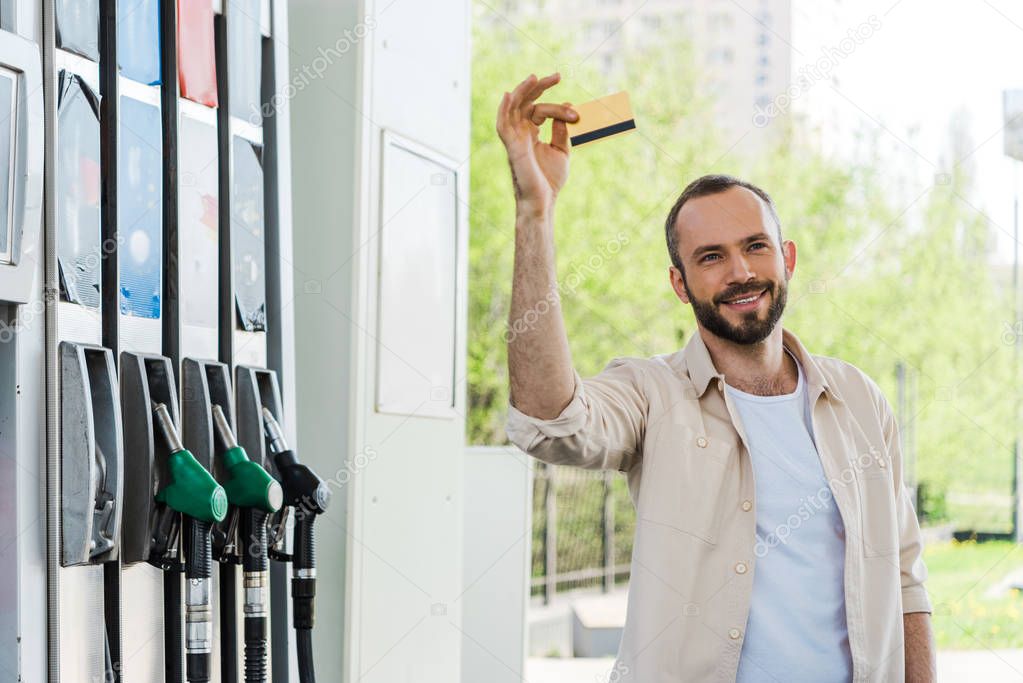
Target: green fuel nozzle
(248,484)
(192,491)
(254,494)
(196,494)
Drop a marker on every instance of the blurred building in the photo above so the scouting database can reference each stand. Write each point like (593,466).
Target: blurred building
(767,62)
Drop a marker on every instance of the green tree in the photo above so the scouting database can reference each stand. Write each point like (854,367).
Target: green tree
(879,278)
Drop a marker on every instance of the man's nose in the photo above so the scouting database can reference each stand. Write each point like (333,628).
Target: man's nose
(741,271)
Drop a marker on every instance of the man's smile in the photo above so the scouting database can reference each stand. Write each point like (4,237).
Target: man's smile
(746,302)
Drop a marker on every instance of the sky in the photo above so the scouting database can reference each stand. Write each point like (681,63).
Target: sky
(934,62)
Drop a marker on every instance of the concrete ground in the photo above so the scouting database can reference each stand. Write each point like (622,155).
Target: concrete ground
(989,666)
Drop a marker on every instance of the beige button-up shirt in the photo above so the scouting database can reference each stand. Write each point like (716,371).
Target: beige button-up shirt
(668,424)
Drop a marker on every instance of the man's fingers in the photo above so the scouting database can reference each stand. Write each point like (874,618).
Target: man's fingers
(519,103)
(559,132)
(559,136)
(502,115)
(504,109)
(558,112)
(521,90)
(542,85)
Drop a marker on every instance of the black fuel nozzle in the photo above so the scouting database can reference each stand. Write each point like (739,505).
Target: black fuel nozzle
(303,489)
(309,496)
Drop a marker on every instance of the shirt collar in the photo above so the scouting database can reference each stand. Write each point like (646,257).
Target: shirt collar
(696,358)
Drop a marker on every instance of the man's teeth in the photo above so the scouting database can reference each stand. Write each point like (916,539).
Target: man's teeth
(746,300)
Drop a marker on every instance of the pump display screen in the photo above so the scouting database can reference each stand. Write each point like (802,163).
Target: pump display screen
(197,72)
(244,60)
(78,27)
(247,235)
(138,40)
(78,191)
(8,131)
(198,222)
(139,208)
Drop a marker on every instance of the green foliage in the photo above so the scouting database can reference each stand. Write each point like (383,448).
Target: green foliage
(933,504)
(880,278)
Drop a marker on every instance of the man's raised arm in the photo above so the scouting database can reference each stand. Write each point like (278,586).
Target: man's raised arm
(553,414)
(539,360)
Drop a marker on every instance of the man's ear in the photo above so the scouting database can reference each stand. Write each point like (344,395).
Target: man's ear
(675,276)
(789,254)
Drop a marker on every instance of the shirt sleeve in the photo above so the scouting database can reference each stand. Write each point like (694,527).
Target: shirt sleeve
(602,427)
(911,563)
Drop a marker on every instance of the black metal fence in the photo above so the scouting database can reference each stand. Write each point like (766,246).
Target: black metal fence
(583,523)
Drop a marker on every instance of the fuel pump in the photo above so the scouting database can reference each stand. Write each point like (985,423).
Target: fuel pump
(308,496)
(205,384)
(195,494)
(82,602)
(23,402)
(129,205)
(257,495)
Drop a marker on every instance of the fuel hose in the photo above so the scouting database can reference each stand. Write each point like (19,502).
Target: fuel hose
(309,496)
(202,501)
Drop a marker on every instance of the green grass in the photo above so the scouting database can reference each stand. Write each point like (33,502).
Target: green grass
(959,573)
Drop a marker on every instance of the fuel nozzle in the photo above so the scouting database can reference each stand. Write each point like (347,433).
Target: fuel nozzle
(303,490)
(252,489)
(248,484)
(310,496)
(193,490)
(195,493)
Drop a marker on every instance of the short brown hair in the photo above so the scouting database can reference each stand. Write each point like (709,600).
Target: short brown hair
(702,187)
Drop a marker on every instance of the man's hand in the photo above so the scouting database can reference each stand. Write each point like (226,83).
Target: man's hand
(539,169)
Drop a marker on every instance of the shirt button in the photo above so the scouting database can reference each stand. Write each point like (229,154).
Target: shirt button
(740,568)
(747,505)
(701,442)
(733,633)
(882,464)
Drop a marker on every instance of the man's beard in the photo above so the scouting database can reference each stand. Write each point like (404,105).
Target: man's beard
(751,329)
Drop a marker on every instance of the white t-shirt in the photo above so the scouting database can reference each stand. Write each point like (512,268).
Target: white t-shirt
(797,627)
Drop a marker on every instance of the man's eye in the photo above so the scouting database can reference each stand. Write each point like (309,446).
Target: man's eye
(762,244)
(707,257)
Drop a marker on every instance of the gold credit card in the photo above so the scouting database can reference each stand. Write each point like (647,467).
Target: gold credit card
(601,118)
